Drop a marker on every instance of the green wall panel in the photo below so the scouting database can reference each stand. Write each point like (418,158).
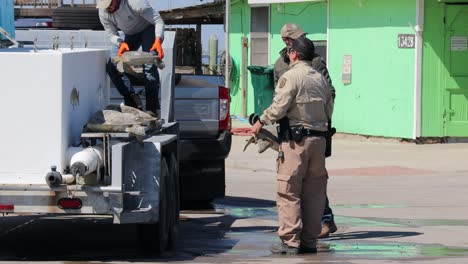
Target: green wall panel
(379,100)
(239,27)
(311,17)
(432,82)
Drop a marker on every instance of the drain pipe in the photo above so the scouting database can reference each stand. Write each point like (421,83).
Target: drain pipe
(418,29)
(244,73)
(227,73)
(55,178)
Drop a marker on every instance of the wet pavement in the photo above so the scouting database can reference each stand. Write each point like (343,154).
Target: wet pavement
(235,230)
(398,211)
(373,241)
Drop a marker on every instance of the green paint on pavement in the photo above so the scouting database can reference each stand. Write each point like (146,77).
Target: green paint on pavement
(393,250)
(370,206)
(354,221)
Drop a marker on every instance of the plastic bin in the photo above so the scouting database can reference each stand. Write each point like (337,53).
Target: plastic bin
(262,83)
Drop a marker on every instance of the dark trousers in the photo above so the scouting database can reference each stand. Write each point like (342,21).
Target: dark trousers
(327,212)
(145,40)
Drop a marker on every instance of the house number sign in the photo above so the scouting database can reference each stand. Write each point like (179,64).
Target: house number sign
(406,41)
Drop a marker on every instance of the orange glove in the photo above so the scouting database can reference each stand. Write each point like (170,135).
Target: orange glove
(123,48)
(158,48)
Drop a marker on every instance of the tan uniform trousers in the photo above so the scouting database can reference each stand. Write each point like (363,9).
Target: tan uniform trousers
(301,184)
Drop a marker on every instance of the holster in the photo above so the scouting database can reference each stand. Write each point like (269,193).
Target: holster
(328,139)
(283,129)
(297,134)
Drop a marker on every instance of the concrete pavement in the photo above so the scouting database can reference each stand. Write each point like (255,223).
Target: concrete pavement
(394,202)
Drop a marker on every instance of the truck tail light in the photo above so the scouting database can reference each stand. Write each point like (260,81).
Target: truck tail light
(7,208)
(224,104)
(47,24)
(69,203)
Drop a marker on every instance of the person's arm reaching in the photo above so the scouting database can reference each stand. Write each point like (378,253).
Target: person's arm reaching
(145,10)
(112,32)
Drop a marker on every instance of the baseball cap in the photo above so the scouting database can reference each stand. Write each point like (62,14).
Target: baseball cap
(103,3)
(291,30)
(305,47)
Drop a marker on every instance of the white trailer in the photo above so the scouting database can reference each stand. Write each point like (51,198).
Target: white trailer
(48,96)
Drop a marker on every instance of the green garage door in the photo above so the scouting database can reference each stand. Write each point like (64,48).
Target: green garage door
(456,62)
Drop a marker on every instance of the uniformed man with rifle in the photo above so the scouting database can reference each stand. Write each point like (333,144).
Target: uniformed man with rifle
(304,97)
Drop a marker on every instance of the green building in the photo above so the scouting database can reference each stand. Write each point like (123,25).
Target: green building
(400,67)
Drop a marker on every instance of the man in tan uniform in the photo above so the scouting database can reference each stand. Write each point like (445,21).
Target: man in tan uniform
(290,32)
(304,97)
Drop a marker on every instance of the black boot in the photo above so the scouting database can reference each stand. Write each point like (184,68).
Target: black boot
(133,100)
(307,250)
(137,101)
(128,101)
(152,106)
(282,248)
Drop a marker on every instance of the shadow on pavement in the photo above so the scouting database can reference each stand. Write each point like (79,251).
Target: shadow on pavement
(68,238)
(371,234)
(245,202)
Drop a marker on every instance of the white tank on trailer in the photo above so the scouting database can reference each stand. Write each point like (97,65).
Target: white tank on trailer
(48,96)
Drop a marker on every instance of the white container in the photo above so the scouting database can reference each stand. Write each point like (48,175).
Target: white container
(46,98)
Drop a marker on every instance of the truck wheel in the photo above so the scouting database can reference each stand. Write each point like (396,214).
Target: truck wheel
(76,18)
(174,198)
(154,237)
(201,182)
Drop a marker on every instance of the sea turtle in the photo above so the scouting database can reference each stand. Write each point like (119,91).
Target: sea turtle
(266,138)
(122,119)
(131,61)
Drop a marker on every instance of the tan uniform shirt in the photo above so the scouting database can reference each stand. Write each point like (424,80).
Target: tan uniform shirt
(304,96)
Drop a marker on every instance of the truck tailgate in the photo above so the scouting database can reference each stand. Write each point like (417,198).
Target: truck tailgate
(196,106)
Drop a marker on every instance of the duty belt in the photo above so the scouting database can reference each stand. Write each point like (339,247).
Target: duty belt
(297,133)
(313,133)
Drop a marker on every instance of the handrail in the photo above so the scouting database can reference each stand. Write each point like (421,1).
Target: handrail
(37,3)
(52,3)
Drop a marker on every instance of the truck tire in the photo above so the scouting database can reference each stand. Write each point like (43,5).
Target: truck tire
(174,201)
(154,238)
(76,18)
(201,182)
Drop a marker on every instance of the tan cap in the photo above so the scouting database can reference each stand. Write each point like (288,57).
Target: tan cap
(103,3)
(291,30)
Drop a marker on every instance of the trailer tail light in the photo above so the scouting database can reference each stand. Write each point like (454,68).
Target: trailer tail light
(224,104)
(69,203)
(7,208)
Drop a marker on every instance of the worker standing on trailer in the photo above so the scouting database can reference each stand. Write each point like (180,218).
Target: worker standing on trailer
(143,27)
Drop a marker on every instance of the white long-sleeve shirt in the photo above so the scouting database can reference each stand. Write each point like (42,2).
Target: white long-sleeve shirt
(132,17)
